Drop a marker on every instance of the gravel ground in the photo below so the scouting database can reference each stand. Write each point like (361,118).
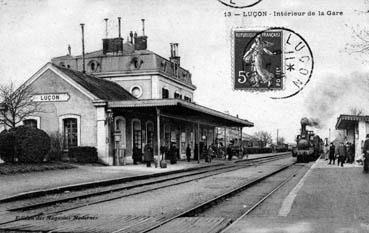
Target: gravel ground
(173,199)
(331,199)
(237,205)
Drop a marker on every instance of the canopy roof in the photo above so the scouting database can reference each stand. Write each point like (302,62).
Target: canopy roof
(184,110)
(349,121)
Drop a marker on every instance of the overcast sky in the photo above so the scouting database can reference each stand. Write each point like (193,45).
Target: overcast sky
(34,31)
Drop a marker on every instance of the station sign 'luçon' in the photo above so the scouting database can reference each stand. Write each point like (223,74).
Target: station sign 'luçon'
(51,97)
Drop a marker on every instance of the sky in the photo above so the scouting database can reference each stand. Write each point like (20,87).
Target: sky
(34,31)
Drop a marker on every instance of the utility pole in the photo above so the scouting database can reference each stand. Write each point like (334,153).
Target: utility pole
(277,136)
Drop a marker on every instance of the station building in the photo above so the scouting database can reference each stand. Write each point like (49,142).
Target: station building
(123,96)
(355,129)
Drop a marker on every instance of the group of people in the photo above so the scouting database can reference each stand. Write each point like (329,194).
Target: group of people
(172,153)
(344,153)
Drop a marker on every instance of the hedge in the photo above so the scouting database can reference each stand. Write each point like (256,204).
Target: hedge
(24,144)
(83,154)
(7,146)
(31,145)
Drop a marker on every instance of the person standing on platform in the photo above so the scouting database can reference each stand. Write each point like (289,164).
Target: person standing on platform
(136,155)
(366,154)
(229,152)
(332,151)
(341,152)
(148,155)
(188,153)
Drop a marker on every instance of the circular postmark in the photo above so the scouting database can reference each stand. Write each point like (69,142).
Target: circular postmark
(240,3)
(275,59)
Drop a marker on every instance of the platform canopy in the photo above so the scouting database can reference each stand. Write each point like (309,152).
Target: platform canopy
(183,110)
(349,121)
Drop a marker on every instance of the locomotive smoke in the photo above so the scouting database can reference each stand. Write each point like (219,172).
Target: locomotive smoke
(310,122)
(335,95)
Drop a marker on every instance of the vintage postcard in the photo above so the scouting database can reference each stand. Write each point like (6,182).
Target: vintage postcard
(208,116)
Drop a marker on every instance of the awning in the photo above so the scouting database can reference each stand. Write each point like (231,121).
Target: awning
(186,110)
(349,121)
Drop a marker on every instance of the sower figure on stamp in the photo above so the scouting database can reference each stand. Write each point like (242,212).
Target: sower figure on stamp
(254,57)
(332,150)
(366,154)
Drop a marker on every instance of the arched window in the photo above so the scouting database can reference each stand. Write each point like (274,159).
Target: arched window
(30,123)
(136,133)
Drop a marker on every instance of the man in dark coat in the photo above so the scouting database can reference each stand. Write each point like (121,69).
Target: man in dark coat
(366,154)
(148,155)
(188,153)
(229,152)
(341,152)
(332,151)
(136,155)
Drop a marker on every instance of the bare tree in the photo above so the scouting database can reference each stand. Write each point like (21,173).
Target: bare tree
(356,111)
(360,41)
(17,103)
(263,137)
(281,140)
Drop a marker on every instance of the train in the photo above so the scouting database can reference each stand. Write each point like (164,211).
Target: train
(308,145)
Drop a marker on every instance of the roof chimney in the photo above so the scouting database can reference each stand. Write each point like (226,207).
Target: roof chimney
(106,27)
(143,27)
(119,35)
(83,48)
(174,54)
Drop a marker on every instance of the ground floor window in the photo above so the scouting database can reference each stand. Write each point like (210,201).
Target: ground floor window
(32,123)
(70,132)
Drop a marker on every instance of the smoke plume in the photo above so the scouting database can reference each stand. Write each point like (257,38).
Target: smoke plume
(310,122)
(335,95)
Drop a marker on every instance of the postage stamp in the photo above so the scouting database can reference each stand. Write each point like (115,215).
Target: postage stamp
(257,60)
(275,59)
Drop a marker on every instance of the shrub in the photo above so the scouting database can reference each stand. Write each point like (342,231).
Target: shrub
(7,146)
(56,147)
(83,154)
(31,145)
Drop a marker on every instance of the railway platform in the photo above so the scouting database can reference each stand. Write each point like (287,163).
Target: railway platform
(12,185)
(328,198)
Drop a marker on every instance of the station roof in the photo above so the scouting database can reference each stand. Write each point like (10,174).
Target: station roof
(349,121)
(184,110)
(103,89)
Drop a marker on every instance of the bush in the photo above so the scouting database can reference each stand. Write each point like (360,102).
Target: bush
(83,154)
(7,139)
(31,145)
(56,147)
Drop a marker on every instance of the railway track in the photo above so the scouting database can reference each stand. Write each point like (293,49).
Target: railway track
(176,223)
(48,200)
(30,205)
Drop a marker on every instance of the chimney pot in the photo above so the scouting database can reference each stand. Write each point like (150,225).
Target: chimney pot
(106,27)
(119,31)
(143,27)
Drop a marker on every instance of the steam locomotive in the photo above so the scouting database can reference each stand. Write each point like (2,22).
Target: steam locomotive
(309,146)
